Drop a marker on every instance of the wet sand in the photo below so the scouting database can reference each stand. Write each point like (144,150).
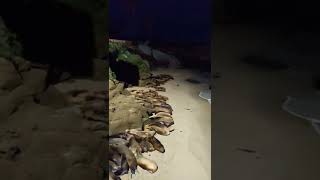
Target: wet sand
(188,148)
(248,113)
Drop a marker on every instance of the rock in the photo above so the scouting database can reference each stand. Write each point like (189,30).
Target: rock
(165,59)
(112,75)
(117,90)
(5,146)
(21,64)
(76,155)
(3,92)
(124,113)
(9,77)
(83,172)
(81,84)
(9,46)
(112,85)
(142,83)
(100,69)
(10,148)
(7,169)
(52,143)
(39,65)
(52,97)
(35,79)
(65,76)
(74,148)
(96,126)
(141,64)
(46,119)
(55,145)
(11,102)
(38,168)
(123,54)
(124,110)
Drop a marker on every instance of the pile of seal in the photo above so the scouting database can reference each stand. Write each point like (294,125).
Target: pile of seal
(136,114)
(154,81)
(126,148)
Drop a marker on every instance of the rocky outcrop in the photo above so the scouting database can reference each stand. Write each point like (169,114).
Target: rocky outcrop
(44,134)
(124,111)
(70,35)
(9,46)
(119,51)
(97,11)
(9,77)
(52,131)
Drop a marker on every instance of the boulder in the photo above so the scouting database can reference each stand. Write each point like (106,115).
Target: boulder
(83,172)
(9,148)
(38,168)
(10,103)
(42,118)
(124,113)
(65,76)
(9,77)
(112,75)
(117,89)
(21,64)
(81,84)
(52,97)
(3,92)
(7,169)
(9,46)
(112,85)
(35,79)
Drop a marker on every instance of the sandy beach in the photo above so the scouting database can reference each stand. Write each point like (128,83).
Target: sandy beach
(188,148)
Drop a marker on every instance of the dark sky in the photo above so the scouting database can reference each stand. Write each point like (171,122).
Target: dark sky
(165,20)
(269,11)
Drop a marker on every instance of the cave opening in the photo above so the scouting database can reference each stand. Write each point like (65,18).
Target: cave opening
(52,33)
(125,72)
